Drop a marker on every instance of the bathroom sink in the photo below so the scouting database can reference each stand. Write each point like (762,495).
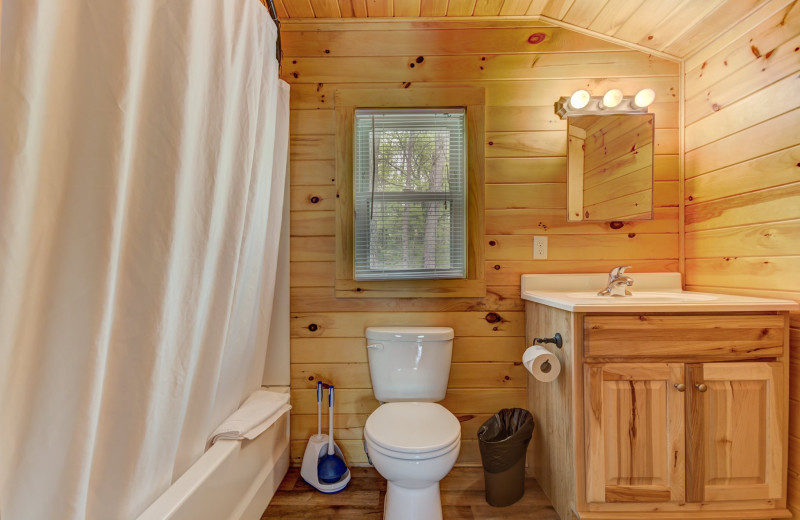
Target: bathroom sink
(644,297)
(651,292)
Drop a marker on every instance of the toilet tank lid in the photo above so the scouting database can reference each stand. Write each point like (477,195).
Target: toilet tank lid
(409,333)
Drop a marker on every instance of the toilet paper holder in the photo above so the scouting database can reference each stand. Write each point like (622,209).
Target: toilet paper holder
(556,340)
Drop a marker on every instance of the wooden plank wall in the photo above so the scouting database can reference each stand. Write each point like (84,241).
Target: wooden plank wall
(524,69)
(742,187)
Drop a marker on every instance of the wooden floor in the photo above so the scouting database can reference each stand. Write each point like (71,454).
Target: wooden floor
(462,498)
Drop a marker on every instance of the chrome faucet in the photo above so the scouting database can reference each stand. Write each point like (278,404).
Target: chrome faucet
(618,283)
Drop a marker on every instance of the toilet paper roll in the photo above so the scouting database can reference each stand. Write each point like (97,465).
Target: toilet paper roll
(541,363)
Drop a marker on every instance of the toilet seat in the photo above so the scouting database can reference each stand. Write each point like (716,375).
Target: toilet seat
(413,430)
(373,447)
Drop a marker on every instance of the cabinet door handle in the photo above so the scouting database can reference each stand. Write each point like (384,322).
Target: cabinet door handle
(680,387)
(701,387)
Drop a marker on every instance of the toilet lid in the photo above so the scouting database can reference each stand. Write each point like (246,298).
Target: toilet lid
(412,427)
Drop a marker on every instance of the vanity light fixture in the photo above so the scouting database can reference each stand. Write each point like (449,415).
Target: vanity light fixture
(581,103)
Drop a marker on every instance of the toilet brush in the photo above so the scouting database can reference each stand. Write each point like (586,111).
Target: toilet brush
(316,450)
(331,467)
(319,409)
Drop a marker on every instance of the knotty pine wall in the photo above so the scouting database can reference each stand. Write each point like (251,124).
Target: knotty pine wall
(742,188)
(525,195)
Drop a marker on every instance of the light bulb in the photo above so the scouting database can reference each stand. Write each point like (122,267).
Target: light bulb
(644,97)
(612,98)
(579,99)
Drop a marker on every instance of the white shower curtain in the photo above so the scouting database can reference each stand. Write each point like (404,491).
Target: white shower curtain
(142,165)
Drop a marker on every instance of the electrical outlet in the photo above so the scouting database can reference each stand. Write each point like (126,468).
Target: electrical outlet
(540,248)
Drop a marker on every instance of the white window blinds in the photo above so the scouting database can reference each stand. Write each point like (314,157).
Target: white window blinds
(410,194)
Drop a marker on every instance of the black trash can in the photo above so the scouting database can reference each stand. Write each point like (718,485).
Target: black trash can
(503,440)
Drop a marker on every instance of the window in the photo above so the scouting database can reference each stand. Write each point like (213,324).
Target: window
(410,194)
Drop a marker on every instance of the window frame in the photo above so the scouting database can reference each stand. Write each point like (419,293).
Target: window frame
(346,101)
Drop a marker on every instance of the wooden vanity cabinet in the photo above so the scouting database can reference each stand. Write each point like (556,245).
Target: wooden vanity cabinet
(673,416)
(652,435)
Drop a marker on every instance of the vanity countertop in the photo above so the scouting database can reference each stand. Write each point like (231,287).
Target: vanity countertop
(651,292)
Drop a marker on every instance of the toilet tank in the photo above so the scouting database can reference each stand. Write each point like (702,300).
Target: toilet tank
(409,363)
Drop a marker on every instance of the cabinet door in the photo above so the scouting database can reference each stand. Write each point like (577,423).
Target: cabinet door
(634,422)
(735,431)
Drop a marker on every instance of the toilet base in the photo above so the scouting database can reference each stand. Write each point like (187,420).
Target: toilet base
(404,503)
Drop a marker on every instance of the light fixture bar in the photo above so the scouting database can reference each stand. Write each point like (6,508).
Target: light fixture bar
(595,107)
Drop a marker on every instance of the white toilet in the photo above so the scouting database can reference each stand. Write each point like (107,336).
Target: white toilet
(412,441)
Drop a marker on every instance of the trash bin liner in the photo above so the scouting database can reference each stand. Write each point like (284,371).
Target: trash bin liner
(503,440)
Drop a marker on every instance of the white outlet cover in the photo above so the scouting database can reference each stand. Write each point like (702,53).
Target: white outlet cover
(539,248)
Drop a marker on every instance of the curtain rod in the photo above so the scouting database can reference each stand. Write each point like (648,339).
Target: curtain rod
(274,14)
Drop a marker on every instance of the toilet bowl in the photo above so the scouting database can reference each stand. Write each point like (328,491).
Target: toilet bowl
(413,445)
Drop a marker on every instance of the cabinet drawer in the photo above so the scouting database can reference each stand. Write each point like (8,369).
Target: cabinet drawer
(688,337)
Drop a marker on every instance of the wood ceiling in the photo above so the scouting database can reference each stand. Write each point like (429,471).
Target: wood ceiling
(675,27)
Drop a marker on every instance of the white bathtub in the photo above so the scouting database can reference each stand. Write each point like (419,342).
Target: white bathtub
(233,480)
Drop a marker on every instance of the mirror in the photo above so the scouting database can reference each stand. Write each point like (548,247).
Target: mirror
(610,167)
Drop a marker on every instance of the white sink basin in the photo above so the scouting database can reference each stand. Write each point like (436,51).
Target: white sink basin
(651,292)
(644,297)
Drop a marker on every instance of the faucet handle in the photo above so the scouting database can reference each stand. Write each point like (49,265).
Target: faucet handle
(618,271)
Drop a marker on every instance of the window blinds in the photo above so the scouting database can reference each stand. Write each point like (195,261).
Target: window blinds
(410,194)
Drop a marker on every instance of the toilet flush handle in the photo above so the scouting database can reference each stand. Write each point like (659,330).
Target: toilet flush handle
(375,346)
